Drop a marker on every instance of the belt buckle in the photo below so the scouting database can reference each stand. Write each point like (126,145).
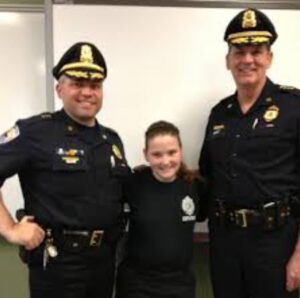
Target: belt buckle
(96,238)
(241,218)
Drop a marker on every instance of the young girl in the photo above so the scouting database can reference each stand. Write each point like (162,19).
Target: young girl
(163,201)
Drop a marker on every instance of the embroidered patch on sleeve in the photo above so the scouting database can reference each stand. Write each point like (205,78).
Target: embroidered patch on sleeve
(10,135)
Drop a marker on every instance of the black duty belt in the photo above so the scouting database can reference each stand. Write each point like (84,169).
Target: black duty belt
(76,240)
(270,215)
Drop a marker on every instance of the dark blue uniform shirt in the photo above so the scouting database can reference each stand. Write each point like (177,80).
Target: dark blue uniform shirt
(70,174)
(254,157)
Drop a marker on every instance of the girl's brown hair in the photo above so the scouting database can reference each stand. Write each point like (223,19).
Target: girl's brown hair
(167,128)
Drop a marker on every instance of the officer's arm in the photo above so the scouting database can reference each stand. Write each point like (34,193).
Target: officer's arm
(26,232)
(204,167)
(6,220)
(293,266)
(204,160)
(293,269)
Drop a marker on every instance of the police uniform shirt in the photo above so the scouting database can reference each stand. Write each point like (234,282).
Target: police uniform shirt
(70,174)
(254,157)
(161,222)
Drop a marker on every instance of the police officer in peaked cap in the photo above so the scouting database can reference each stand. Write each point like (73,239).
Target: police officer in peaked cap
(250,157)
(70,169)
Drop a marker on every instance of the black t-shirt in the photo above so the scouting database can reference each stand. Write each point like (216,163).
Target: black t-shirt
(161,221)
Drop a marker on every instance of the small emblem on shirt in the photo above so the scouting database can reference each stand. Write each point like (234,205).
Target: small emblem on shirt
(116,151)
(188,208)
(218,128)
(271,113)
(10,135)
(70,156)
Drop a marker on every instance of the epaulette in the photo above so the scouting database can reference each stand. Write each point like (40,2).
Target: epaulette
(46,115)
(223,102)
(36,118)
(226,100)
(110,130)
(289,89)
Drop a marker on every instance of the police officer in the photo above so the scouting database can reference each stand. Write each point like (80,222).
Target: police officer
(70,169)
(250,158)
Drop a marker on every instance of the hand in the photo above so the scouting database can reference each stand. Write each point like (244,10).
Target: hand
(26,233)
(293,272)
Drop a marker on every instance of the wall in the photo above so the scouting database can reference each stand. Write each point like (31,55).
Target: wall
(23,82)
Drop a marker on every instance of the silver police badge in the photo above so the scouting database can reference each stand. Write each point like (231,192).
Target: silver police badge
(188,207)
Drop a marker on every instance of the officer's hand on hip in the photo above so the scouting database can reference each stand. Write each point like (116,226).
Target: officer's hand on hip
(293,272)
(27,233)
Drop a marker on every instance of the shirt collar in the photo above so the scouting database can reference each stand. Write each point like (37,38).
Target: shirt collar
(264,99)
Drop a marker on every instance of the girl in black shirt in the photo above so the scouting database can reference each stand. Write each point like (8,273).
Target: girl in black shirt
(163,201)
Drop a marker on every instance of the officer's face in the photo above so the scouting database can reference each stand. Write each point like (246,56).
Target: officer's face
(82,99)
(249,64)
(164,155)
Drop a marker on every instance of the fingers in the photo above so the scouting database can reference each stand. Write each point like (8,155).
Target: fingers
(36,237)
(28,233)
(27,218)
(290,284)
(292,280)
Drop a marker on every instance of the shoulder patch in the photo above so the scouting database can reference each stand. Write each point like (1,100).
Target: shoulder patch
(10,135)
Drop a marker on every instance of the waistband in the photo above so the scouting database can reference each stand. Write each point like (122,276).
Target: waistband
(270,215)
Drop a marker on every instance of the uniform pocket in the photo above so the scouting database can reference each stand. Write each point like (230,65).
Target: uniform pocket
(70,172)
(218,145)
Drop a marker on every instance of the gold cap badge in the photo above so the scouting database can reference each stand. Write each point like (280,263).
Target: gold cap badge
(86,54)
(249,19)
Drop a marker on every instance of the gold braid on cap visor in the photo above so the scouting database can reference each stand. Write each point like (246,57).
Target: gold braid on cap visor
(84,74)
(249,36)
(87,65)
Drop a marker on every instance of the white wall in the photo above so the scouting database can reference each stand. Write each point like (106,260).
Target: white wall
(22,72)
(166,63)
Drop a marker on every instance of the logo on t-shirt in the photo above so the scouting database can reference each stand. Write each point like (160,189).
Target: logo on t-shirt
(188,208)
